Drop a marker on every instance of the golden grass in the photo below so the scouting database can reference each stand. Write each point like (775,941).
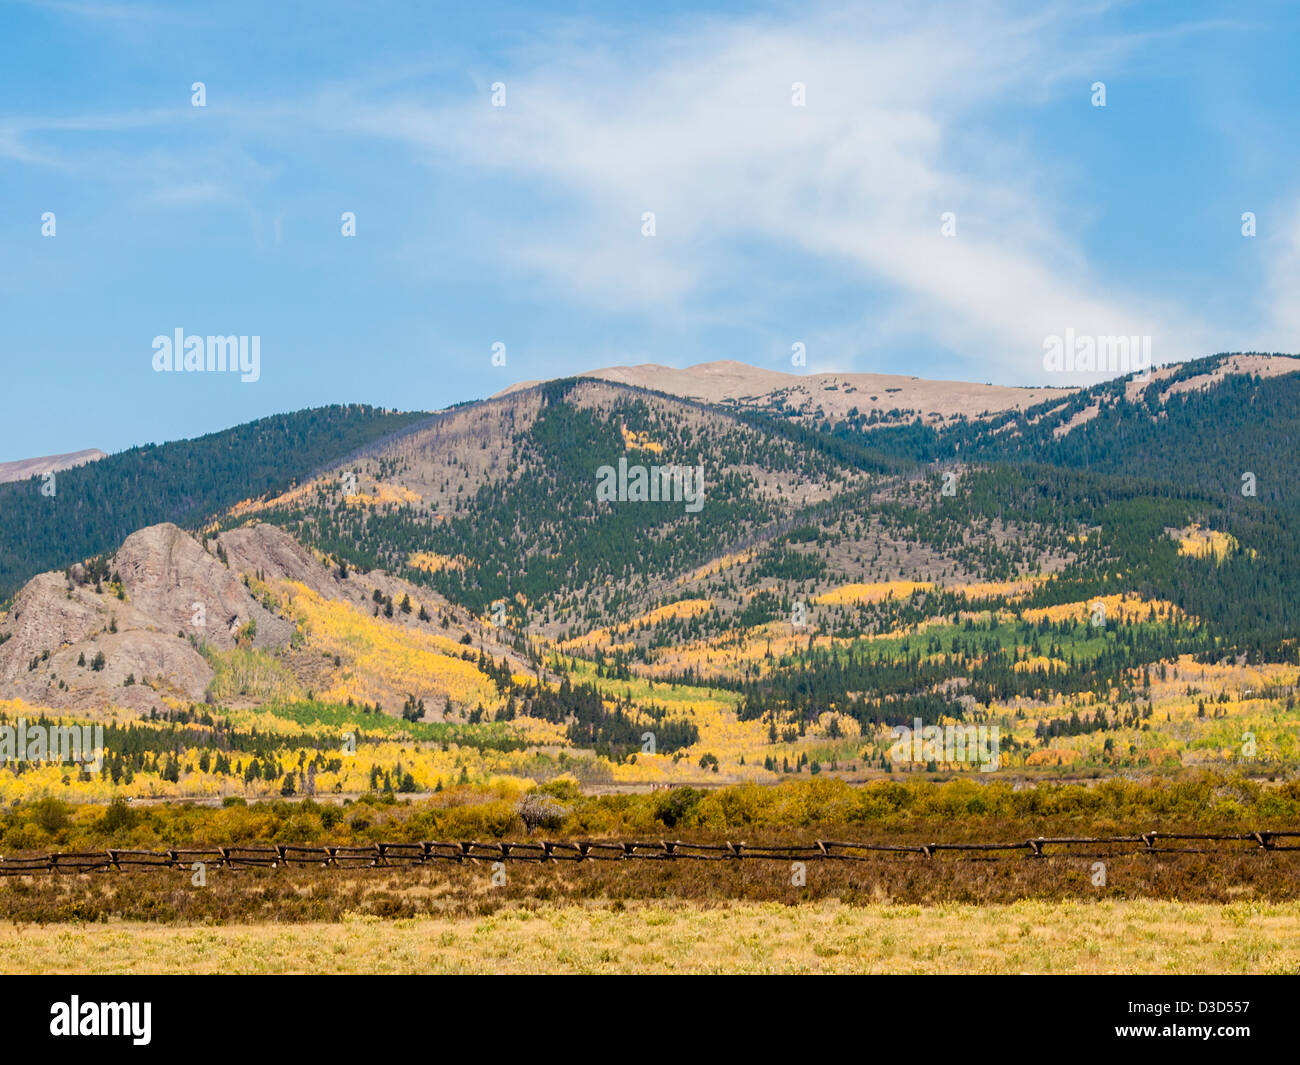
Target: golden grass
(1141,936)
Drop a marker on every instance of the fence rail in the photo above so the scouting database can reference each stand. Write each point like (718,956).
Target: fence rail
(375,855)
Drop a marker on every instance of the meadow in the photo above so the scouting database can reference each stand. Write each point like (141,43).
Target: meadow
(1142,936)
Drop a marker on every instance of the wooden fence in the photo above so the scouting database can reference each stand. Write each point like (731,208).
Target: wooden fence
(375,855)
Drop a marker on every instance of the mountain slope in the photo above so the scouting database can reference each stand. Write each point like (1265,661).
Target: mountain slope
(92,508)
(496,503)
(1199,425)
(499,501)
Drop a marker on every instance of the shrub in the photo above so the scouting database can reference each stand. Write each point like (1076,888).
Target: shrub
(678,807)
(537,810)
(118,817)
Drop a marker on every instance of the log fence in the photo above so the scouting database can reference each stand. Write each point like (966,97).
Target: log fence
(390,855)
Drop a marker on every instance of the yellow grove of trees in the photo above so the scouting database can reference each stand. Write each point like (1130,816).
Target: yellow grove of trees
(604,637)
(382,662)
(1125,607)
(428,764)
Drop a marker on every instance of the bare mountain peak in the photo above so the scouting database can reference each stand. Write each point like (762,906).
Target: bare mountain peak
(21,469)
(893,397)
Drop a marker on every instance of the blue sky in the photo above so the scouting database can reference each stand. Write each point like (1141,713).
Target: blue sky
(522,224)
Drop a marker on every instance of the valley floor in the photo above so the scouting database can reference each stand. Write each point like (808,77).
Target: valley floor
(826,936)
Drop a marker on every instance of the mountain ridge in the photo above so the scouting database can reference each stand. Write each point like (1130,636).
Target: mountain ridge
(732,383)
(22,469)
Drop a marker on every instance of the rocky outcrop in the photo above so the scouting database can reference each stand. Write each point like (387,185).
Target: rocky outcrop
(270,552)
(173,580)
(70,645)
(175,596)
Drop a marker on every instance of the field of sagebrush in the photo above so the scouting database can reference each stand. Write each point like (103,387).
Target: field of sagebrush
(1098,908)
(911,813)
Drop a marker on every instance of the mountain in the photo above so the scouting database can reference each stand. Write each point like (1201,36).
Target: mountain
(92,508)
(557,571)
(22,469)
(173,616)
(814,399)
(1200,424)
(499,501)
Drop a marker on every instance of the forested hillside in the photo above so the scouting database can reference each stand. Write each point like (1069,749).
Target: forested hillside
(94,508)
(1196,439)
(537,536)
(1087,576)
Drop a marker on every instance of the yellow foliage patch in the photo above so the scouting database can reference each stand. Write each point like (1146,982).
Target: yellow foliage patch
(871,593)
(253,506)
(1125,607)
(382,661)
(1050,756)
(717,566)
(640,441)
(1039,662)
(685,608)
(1206,543)
(435,563)
(382,494)
(1016,589)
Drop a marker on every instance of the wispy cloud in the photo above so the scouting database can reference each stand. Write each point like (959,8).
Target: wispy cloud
(697,125)
(774,223)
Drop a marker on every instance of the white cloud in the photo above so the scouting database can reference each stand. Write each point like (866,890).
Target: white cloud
(912,110)
(904,108)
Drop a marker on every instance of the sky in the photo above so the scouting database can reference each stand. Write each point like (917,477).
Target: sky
(915,188)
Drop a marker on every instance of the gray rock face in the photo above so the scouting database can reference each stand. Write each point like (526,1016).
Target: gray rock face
(171,578)
(272,552)
(177,597)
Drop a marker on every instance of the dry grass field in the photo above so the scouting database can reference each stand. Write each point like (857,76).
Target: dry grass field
(1137,936)
(1098,907)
